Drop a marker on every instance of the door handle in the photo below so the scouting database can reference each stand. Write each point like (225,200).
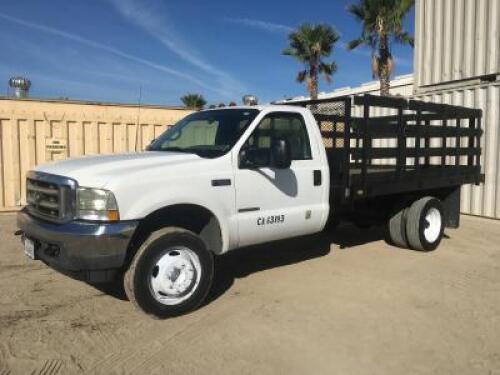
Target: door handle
(317,178)
(221,182)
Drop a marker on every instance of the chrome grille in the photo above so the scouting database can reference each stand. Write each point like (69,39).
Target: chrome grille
(43,197)
(50,197)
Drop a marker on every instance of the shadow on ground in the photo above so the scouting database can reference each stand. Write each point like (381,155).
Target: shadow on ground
(246,261)
(113,289)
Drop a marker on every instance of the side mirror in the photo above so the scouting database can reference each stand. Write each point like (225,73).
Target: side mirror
(280,153)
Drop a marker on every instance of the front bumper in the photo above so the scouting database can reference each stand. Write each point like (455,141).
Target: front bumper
(87,251)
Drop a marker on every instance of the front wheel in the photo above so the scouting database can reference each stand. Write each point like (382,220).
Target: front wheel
(171,273)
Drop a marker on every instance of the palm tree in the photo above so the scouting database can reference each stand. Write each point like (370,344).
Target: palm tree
(382,21)
(194,101)
(310,44)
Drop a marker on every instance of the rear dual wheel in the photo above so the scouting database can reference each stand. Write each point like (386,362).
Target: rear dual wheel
(419,226)
(425,224)
(397,227)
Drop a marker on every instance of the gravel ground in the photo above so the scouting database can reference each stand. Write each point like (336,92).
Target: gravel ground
(345,303)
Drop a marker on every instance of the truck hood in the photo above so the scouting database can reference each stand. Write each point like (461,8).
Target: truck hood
(95,171)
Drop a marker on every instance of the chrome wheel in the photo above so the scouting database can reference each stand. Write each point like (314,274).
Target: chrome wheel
(175,275)
(432,225)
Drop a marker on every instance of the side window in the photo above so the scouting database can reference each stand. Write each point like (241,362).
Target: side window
(286,125)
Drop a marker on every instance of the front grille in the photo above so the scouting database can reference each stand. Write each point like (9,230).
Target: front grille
(43,198)
(50,197)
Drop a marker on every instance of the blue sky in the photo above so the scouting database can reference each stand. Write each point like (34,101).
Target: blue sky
(109,49)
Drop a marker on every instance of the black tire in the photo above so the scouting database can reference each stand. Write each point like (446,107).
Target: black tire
(137,280)
(396,226)
(416,224)
(332,223)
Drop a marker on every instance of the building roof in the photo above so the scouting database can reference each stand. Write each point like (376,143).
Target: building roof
(368,87)
(91,102)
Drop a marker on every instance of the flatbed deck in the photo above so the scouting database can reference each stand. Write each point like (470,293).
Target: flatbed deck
(413,146)
(383,179)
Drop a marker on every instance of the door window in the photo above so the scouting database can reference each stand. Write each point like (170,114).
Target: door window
(286,125)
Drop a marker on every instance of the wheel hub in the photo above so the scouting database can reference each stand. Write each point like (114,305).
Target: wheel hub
(175,276)
(432,224)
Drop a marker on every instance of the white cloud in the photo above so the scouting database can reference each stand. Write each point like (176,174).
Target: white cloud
(109,49)
(261,25)
(153,18)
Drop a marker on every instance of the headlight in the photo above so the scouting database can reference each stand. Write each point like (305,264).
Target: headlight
(96,204)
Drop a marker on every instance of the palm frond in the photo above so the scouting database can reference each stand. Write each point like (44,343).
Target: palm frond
(327,69)
(356,43)
(357,10)
(405,6)
(289,51)
(301,76)
(405,38)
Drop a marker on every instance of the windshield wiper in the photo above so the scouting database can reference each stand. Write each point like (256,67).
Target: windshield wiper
(177,149)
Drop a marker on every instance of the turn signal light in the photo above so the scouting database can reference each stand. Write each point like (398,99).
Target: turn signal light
(113,215)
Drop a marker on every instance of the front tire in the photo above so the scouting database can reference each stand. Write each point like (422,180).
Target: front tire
(425,224)
(171,273)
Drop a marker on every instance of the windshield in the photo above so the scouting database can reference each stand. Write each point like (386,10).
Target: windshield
(208,133)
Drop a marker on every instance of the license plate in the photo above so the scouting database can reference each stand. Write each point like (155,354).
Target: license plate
(29,248)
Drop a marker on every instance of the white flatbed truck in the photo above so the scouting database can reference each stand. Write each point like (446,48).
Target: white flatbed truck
(226,178)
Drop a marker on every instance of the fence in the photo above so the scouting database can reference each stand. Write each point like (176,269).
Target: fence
(33,132)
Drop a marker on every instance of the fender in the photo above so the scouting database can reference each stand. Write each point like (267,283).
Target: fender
(149,203)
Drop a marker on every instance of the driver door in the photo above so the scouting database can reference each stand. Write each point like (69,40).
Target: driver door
(277,203)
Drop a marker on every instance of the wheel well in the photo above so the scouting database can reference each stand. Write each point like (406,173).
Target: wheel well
(192,217)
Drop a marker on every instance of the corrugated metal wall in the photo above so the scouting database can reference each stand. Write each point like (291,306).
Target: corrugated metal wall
(33,132)
(483,200)
(456,39)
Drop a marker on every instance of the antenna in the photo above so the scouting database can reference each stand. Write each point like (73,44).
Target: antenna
(138,120)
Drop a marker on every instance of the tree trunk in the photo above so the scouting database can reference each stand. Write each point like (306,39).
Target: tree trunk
(385,84)
(384,73)
(313,81)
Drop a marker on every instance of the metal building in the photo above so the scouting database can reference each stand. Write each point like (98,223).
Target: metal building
(457,61)
(456,40)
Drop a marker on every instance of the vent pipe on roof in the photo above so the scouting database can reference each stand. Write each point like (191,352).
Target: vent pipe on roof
(21,86)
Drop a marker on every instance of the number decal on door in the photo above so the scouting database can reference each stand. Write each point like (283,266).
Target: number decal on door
(274,219)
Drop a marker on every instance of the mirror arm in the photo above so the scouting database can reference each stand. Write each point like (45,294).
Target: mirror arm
(243,162)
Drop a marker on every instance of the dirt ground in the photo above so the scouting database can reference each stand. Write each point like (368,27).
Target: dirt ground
(346,303)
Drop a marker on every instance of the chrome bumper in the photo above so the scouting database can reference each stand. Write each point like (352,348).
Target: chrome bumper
(87,251)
